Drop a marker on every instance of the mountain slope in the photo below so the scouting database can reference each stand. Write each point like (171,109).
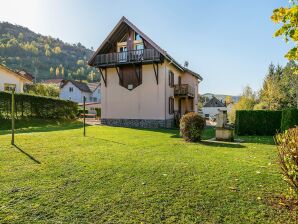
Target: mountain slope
(43,56)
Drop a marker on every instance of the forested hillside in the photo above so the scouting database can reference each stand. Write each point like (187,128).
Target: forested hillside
(43,56)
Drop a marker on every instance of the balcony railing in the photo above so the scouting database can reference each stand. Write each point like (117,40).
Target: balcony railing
(127,57)
(184,90)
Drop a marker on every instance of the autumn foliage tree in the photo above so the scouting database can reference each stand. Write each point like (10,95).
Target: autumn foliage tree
(287,17)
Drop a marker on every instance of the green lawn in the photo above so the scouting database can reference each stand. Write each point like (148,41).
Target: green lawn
(121,175)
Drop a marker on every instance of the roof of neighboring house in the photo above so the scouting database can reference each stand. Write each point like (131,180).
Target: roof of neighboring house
(21,74)
(93,86)
(120,28)
(214,102)
(80,85)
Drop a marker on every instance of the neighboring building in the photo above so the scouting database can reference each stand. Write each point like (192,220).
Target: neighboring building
(76,91)
(91,107)
(142,85)
(210,109)
(207,96)
(18,79)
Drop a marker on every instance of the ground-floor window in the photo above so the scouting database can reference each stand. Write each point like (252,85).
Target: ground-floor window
(171,105)
(9,87)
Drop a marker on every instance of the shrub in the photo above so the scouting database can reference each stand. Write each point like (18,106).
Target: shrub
(98,112)
(287,145)
(191,126)
(257,122)
(289,119)
(37,106)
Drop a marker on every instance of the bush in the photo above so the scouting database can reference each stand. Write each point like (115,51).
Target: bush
(37,106)
(287,144)
(257,122)
(98,112)
(191,126)
(289,119)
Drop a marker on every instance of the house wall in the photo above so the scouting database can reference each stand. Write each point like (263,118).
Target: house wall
(212,111)
(77,95)
(96,93)
(8,77)
(186,78)
(146,101)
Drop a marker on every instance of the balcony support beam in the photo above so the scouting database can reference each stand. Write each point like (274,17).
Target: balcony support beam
(104,77)
(156,72)
(119,75)
(137,73)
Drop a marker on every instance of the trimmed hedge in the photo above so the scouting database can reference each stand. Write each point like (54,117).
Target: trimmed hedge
(37,106)
(289,119)
(257,122)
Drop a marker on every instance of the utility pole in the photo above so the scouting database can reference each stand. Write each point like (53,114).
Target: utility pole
(84,116)
(12,114)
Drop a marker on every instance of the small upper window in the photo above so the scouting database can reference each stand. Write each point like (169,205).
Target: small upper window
(137,36)
(70,89)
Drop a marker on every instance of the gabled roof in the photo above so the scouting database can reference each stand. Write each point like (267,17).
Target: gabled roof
(22,74)
(93,86)
(120,29)
(80,85)
(214,102)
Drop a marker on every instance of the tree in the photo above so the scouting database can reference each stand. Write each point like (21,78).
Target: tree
(51,71)
(271,92)
(57,50)
(288,18)
(62,72)
(229,100)
(21,36)
(57,72)
(43,89)
(247,101)
(289,85)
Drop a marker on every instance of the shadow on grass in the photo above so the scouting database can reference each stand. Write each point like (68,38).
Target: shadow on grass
(221,144)
(267,140)
(106,140)
(27,154)
(38,125)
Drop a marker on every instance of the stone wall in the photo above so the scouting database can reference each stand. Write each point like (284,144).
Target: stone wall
(139,123)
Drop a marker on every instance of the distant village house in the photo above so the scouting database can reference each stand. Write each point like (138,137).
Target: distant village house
(14,79)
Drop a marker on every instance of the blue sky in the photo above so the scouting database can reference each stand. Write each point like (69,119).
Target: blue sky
(230,43)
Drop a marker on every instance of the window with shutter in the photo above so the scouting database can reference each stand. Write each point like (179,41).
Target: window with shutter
(171,79)
(171,105)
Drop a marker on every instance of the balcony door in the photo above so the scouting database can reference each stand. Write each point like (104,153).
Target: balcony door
(122,53)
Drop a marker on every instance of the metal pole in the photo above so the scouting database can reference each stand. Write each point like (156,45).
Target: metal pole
(84,116)
(12,115)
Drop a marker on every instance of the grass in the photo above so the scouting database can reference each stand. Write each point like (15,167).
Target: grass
(121,175)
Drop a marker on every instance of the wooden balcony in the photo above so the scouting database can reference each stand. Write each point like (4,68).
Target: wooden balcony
(184,90)
(144,56)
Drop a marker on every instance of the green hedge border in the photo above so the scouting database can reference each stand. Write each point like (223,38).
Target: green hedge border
(37,106)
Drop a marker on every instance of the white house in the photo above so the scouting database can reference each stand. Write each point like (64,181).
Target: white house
(212,107)
(10,78)
(76,91)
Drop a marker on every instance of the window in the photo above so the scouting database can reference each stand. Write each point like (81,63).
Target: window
(171,105)
(94,99)
(139,47)
(207,115)
(171,79)
(9,87)
(137,36)
(179,80)
(70,89)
